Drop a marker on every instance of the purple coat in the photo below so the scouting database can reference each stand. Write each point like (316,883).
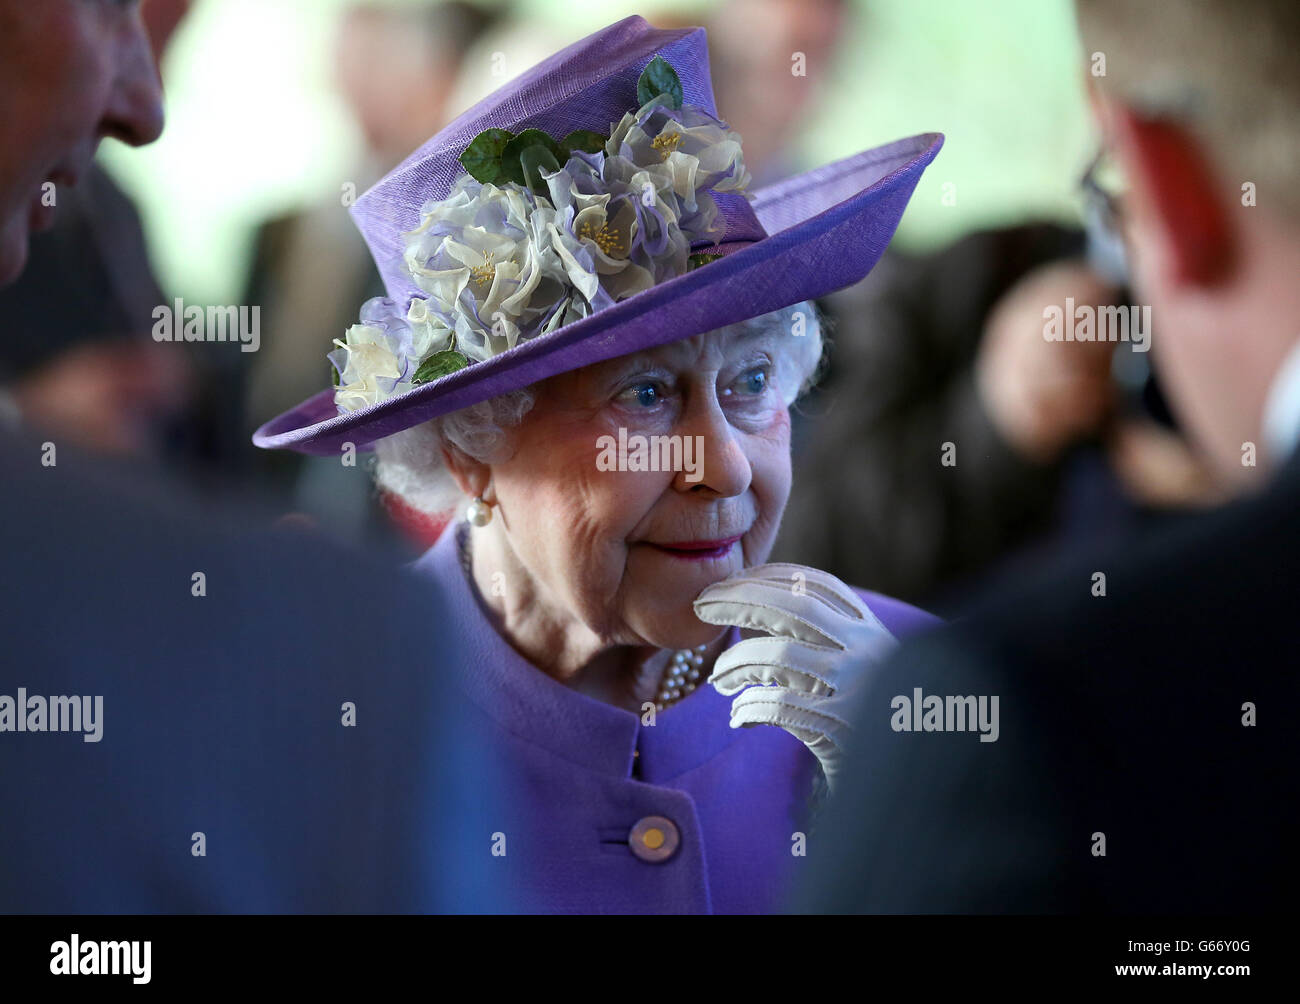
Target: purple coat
(580,775)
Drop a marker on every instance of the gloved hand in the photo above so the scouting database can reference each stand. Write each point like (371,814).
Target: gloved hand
(805,677)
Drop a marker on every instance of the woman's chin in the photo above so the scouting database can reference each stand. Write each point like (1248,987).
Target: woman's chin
(687,631)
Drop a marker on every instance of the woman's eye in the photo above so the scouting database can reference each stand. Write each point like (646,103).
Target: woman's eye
(645,394)
(752,383)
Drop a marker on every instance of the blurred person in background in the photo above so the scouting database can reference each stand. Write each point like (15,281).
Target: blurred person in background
(946,347)
(1051,442)
(1143,754)
(398,66)
(772,61)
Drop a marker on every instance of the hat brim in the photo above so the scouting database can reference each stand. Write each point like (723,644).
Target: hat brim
(826,228)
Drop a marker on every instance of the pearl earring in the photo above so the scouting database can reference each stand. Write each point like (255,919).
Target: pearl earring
(479,512)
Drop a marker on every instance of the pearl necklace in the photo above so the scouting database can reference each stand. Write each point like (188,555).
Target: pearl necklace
(680,678)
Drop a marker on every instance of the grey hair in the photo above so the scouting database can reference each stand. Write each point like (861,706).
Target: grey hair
(409,464)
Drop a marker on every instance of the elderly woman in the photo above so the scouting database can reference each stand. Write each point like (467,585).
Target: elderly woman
(590,347)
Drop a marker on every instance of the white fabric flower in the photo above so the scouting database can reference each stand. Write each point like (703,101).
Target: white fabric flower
(486,258)
(372,365)
(642,211)
(700,150)
(429,333)
(595,235)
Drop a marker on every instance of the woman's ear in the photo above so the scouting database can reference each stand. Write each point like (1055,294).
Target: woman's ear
(471,476)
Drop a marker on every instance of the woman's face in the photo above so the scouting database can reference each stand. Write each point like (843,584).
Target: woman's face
(626,551)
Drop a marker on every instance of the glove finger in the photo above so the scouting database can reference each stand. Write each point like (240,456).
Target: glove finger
(777,660)
(786,708)
(835,592)
(771,608)
(824,745)
(756,706)
(841,601)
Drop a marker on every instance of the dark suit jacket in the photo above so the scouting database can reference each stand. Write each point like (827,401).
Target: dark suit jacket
(1120,715)
(223,714)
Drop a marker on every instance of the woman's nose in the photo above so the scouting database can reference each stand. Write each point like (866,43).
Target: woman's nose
(721,464)
(134,113)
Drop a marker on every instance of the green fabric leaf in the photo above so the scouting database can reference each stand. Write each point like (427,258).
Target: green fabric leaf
(512,167)
(584,140)
(534,160)
(658,78)
(696,260)
(440,364)
(482,158)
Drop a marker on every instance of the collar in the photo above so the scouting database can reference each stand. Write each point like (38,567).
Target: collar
(1282,409)
(532,706)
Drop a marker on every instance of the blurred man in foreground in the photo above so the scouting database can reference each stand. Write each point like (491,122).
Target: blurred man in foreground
(70,74)
(193,718)
(88,373)
(1142,757)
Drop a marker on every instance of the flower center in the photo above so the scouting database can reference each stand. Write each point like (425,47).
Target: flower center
(666,143)
(485,272)
(603,237)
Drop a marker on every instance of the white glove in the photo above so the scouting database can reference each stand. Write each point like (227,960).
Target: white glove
(824,641)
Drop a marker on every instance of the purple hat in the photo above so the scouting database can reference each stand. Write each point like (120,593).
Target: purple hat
(593,207)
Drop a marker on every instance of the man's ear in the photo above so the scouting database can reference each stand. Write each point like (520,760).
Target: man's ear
(1176,195)
(472,476)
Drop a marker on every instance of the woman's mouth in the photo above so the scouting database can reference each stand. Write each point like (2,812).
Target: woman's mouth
(698,550)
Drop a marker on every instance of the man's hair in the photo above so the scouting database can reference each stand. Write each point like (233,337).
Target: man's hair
(1226,69)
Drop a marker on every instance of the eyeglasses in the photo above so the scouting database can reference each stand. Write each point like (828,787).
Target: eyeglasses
(1103,194)
(1103,187)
